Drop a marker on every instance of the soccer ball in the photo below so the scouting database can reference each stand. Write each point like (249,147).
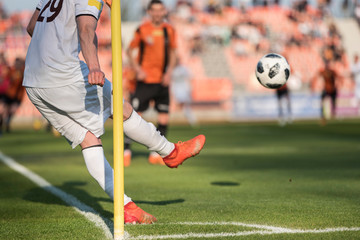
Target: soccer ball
(272,71)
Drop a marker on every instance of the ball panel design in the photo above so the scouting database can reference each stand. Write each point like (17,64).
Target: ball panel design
(287,73)
(273,55)
(272,71)
(273,86)
(260,67)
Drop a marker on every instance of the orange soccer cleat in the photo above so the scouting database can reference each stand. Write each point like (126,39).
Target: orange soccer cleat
(127,157)
(156,159)
(184,150)
(133,215)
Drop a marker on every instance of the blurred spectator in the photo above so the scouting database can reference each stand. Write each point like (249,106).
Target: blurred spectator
(324,7)
(15,92)
(3,14)
(357,12)
(184,10)
(301,5)
(214,7)
(181,90)
(196,44)
(355,70)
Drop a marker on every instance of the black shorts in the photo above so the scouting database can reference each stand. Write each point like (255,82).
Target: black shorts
(332,95)
(145,93)
(11,101)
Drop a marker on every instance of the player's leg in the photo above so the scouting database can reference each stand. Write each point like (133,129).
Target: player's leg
(2,111)
(162,100)
(280,108)
(322,109)
(140,102)
(333,104)
(76,134)
(146,133)
(103,173)
(288,101)
(162,126)
(10,110)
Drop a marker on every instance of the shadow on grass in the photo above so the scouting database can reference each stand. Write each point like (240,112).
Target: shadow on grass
(166,202)
(37,195)
(225,184)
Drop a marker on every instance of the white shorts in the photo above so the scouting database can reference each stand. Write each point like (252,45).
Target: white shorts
(75,109)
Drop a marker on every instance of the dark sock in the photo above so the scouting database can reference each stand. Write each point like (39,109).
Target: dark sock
(162,129)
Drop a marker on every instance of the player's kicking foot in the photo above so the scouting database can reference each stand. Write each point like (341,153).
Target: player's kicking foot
(155,159)
(184,150)
(133,215)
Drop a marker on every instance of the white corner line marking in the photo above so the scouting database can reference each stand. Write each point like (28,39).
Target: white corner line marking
(88,212)
(267,230)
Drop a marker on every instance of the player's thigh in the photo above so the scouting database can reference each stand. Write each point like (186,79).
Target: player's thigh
(70,129)
(88,106)
(94,107)
(162,100)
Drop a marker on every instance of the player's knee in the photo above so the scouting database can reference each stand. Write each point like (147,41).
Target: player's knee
(90,140)
(127,110)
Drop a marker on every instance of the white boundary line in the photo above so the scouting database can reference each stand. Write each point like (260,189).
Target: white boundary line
(88,212)
(266,230)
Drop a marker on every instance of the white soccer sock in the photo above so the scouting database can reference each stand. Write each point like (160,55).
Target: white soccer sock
(100,169)
(145,133)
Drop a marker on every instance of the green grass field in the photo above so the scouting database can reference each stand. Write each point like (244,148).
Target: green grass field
(299,177)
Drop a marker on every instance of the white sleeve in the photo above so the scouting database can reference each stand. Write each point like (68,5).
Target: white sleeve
(40,4)
(89,7)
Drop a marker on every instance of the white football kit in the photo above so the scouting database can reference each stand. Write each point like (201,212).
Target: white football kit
(56,80)
(57,84)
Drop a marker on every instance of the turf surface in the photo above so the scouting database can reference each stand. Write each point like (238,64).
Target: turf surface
(301,176)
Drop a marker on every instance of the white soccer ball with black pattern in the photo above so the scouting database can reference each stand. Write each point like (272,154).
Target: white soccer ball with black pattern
(272,71)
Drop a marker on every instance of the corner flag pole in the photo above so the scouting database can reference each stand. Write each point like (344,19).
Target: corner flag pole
(117,120)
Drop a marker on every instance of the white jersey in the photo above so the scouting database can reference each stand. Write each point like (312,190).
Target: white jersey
(52,59)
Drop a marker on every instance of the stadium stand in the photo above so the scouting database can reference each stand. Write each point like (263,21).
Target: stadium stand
(221,45)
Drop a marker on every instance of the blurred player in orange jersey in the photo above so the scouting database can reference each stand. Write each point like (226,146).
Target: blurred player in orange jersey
(330,78)
(4,85)
(156,45)
(15,92)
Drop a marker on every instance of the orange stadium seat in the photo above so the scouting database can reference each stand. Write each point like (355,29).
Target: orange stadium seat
(211,90)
